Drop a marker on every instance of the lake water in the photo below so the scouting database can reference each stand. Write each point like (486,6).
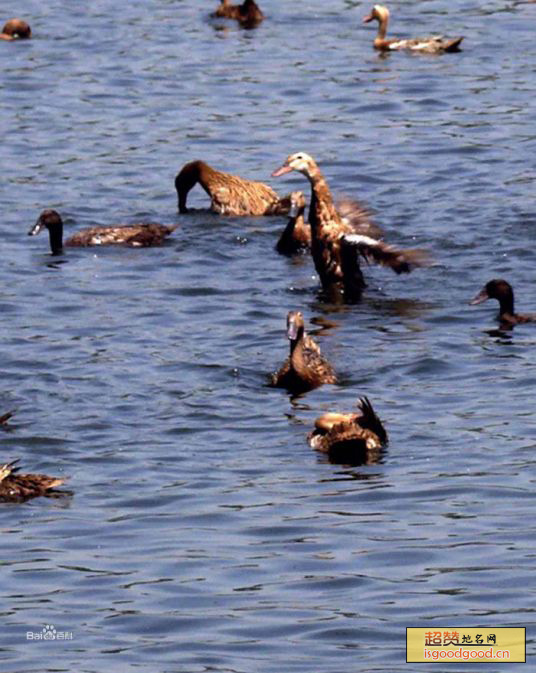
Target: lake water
(203,533)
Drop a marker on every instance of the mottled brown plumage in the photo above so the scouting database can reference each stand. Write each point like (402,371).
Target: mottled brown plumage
(248,14)
(429,45)
(335,246)
(353,438)
(229,194)
(135,235)
(16,487)
(15,29)
(502,291)
(305,368)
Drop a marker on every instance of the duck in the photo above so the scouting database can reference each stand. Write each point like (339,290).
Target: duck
(4,418)
(16,487)
(136,235)
(351,438)
(501,290)
(305,368)
(335,245)
(248,14)
(430,45)
(16,29)
(229,194)
(296,237)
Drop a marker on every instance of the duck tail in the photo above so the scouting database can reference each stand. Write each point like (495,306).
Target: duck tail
(370,420)
(5,418)
(399,260)
(8,468)
(454,44)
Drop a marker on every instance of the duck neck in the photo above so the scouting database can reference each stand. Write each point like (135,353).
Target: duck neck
(55,235)
(506,304)
(322,207)
(190,175)
(382,28)
(296,344)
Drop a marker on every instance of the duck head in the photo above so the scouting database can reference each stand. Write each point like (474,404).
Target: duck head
(379,12)
(51,220)
(17,29)
(297,204)
(295,326)
(495,289)
(300,161)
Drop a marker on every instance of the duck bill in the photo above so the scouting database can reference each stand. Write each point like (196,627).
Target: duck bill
(281,171)
(292,331)
(480,297)
(368,18)
(36,228)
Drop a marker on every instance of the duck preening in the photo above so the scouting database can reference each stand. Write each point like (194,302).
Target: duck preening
(351,438)
(305,368)
(16,29)
(135,235)
(229,194)
(248,14)
(16,487)
(502,291)
(431,45)
(335,245)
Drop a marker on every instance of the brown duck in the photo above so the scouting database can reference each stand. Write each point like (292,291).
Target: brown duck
(305,368)
(502,291)
(248,14)
(296,237)
(16,29)
(136,235)
(335,246)
(353,438)
(429,45)
(16,487)
(229,194)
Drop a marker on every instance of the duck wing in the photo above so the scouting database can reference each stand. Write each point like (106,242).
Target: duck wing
(379,252)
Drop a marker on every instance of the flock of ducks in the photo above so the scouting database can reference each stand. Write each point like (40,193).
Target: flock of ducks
(337,235)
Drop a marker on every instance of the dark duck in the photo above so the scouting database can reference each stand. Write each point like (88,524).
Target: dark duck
(352,438)
(136,235)
(16,487)
(296,237)
(335,245)
(248,14)
(502,291)
(229,194)
(435,44)
(16,29)
(305,368)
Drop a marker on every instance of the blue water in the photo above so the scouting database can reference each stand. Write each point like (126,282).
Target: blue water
(203,534)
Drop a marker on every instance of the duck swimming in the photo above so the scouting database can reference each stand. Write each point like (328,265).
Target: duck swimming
(502,291)
(296,237)
(335,246)
(431,45)
(136,235)
(229,194)
(248,14)
(352,438)
(15,487)
(16,29)
(305,368)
